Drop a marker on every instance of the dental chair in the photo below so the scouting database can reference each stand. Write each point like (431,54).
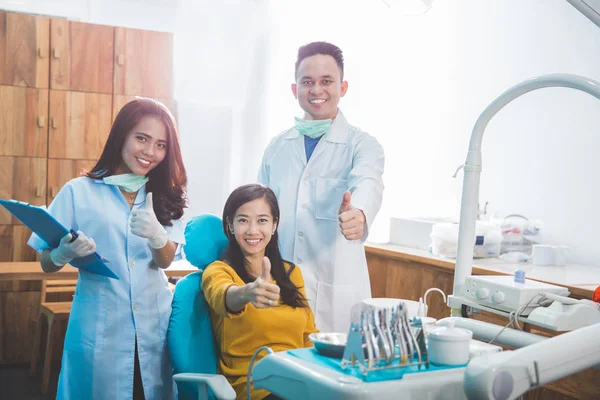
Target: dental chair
(190,337)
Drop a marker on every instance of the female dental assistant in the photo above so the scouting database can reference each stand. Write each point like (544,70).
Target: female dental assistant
(129,209)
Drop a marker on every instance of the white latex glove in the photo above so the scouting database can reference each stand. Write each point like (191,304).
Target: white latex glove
(144,224)
(67,250)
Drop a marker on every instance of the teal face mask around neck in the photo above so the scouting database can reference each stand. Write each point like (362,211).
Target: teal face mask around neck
(313,128)
(128,182)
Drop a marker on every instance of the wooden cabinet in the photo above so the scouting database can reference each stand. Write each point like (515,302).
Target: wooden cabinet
(79,124)
(81,56)
(143,63)
(23,121)
(62,171)
(13,244)
(24,179)
(24,50)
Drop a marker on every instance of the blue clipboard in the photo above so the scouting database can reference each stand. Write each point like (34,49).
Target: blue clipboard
(51,231)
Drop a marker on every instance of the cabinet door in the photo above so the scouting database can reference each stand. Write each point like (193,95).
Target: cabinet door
(24,50)
(23,121)
(24,179)
(143,63)
(21,251)
(82,56)
(79,124)
(120,100)
(6,243)
(62,171)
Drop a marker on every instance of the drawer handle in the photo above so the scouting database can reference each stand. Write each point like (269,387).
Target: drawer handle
(121,59)
(54,123)
(56,53)
(42,53)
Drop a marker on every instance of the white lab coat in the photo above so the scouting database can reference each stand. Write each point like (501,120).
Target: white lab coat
(310,194)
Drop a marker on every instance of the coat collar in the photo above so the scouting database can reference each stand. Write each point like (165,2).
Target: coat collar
(338,133)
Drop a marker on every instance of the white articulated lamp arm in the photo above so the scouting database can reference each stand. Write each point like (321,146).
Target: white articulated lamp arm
(509,374)
(589,8)
(472,170)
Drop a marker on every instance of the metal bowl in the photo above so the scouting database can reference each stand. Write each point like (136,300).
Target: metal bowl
(329,344)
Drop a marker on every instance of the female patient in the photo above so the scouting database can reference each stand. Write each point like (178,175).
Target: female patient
(256,298)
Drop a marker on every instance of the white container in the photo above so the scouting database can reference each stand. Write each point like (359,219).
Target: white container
(413,232)
(447,345)
(488,240)
(549,255)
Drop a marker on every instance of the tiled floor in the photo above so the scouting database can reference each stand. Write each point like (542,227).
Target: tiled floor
(16,384)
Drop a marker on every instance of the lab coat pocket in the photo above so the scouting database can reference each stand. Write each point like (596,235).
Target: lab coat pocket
(163,308)
(87,321)
(329,196)
(333,306)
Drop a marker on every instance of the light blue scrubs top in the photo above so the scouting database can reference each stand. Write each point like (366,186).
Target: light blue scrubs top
(108,314)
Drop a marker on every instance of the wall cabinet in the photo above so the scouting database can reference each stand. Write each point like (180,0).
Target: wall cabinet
(23,121)
(141,67)
(79,124)
(22,178)
(24,50)
(81,56)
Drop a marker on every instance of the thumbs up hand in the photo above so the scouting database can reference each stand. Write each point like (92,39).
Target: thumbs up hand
(145,224)
(261,293)
(352,220)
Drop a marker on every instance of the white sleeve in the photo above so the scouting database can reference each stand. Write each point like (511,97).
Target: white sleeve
(366,179)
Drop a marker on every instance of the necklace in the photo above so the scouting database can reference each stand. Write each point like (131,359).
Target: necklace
(129,196)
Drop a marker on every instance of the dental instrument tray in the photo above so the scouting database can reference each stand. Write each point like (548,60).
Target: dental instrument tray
(51,231)
(382,344)
(392,372)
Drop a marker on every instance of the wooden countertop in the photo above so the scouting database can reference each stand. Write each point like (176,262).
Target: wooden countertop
(581,280)
(32,271)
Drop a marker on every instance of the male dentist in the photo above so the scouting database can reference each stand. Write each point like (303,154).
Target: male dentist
(327,175)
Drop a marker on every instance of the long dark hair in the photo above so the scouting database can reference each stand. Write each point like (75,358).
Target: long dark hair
(289,292)
(168,180)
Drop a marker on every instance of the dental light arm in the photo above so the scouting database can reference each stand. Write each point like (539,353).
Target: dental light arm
(589,8)
(509,374)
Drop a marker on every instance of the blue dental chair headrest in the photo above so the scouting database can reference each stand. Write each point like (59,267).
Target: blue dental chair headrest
(190,338)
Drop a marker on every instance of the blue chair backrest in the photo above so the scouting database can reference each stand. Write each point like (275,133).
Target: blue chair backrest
(190,337)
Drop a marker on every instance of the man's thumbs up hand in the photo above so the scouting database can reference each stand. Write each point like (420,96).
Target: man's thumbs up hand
(352,220)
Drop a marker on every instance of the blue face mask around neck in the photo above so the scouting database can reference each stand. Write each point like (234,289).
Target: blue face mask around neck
(313,128)
(128,182)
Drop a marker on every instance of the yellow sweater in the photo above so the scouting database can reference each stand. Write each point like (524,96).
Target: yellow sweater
(239,335)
